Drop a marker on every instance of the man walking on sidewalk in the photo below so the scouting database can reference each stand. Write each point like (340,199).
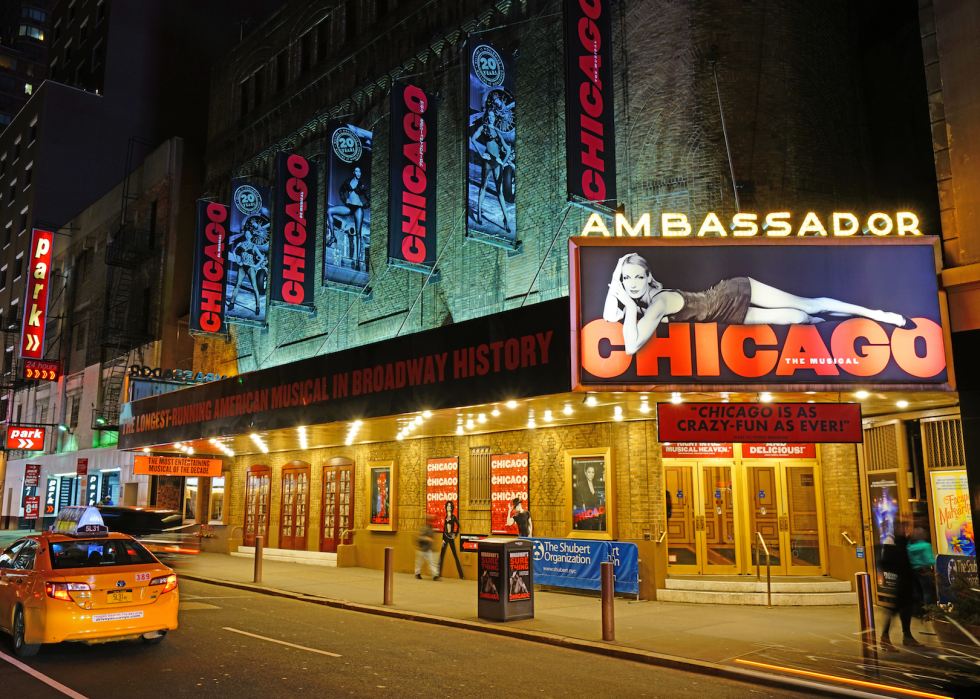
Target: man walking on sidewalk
(423,549)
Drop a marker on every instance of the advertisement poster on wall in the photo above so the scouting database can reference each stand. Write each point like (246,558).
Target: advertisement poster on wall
(347,237)
(442,492)
(510,495)
(588,494)
(209,274)
(589,98)
(883,494)
(294,236)
(381,484)
(822,311)
(953,515)
(412,187)
(491,211)
(248,254)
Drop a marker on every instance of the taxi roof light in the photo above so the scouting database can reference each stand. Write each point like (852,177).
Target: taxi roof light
(78,520)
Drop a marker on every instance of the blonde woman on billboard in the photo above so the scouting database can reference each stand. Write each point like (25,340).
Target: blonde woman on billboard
(640,303)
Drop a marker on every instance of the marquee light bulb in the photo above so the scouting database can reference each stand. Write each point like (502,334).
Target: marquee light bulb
(591,401)
(645,407)
(469,424)
(676,398)
(427,414)
(418,419)
(146,450)
(862,394)
(459,430)
(482,418)
(401,436)
(495,412)
(568,410)
(547,416)
(902,404)
(531,424)
(765,397)
(512,404)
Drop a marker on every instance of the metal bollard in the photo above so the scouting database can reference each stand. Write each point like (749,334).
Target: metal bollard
(608,594)
(866,612)
(259,542)
(389,574)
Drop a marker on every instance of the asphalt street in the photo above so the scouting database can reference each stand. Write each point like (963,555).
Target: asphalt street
(378,657)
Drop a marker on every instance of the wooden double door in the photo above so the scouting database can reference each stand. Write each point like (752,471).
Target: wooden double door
(257,484)
(338,502)
(294,519)
(702,532)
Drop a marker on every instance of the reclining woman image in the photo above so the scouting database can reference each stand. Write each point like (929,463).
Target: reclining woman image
(640,303)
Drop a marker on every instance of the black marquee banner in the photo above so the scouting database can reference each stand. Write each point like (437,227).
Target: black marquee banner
(512,355)
(412,195)
(294,237)
(589,123)
(210,264)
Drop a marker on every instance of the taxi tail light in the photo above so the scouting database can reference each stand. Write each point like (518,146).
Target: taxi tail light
(61,590)
(169,582)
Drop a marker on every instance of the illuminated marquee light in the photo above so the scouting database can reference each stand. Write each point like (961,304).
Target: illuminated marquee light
(744,225)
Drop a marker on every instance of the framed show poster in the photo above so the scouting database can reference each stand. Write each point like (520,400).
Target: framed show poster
(509,495)
(590,494)
(953,516)
(442,492)
(382,480)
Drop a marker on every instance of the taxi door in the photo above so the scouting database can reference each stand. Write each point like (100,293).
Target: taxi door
(10,581)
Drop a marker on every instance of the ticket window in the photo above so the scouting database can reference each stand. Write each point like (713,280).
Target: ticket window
(216,506)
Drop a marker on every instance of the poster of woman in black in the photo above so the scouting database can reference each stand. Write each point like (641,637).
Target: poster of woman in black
(347,237)
(450,528)
(379,496)
(248,254)
(588,495)
(491,174)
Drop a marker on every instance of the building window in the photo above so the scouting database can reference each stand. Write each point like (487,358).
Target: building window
(258,85)
(31,32)
(350,20)
(28,89)
(18,266)
(3,166)
(282,70)
(322,40)
(33,132)
(27,177)
(57,30)
(97,55)
(53,70)
(480,476)
(5,119)
(83,32)
(76,405)
(216,508)
(152,225)
(71,13)
(13,192)
(23,220)
(243,97)
(305,53)
(16,150)
(31,13)
(84,266)
(67,53)
(8,234)
(3,278)
(100,11)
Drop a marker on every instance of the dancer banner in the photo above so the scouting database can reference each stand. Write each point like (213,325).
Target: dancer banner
(294,242)
(589,123)
(491,211)
(412,194)
(208,286)
(248,254)
(347,237)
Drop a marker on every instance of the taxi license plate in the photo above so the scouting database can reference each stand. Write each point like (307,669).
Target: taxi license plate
(120,596)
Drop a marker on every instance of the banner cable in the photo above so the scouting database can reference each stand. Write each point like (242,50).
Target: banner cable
(568,209)
(434,266)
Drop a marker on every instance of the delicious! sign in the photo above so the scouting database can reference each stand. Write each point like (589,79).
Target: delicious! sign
(755,422)
(38,278)
(412,193)
(294,241)
(441,487)
(655,314)
(208,286)
(589,97)
(175,466)
(515,354)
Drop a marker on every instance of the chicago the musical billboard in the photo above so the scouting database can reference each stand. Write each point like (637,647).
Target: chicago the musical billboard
(294,239)
(209,275)
(656,312)
(247,285)
(347,238)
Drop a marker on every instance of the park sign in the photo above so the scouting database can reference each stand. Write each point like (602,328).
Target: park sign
(36,306)
(758,314)
(26,438)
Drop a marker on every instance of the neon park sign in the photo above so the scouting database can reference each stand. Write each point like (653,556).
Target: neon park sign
(780,224)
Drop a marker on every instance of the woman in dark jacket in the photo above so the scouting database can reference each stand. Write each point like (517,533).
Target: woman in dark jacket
(898,572)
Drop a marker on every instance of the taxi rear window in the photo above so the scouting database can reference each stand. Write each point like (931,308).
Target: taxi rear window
(98,553)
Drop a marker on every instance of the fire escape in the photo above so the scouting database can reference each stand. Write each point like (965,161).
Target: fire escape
(128,321)
(11,378)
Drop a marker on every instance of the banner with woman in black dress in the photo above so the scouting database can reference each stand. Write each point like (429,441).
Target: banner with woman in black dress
(490,168)
(248,254)
(347,234)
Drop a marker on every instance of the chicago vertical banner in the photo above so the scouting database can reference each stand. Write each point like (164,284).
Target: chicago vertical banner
(209,277)
(36,298)
(491,211)
(294,242)
(347,238)
(412,197)
(441,489)
(248,254)
(589,124)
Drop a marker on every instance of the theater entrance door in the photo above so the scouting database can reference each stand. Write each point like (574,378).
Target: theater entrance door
(702,532)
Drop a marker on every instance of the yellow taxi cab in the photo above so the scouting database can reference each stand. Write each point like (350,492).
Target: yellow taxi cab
(79,582)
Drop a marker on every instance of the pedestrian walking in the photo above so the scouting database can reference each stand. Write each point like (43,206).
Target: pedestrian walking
(923,562)
(898,572)
(423,549)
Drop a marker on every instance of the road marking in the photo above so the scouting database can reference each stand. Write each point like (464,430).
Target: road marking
(282,643)
(44,678)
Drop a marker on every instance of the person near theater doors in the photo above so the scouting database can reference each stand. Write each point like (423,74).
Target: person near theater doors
(521,518)
(423,549)
(896,564)
(450,528)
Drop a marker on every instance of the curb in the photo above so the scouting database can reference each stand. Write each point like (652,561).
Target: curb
(674,662)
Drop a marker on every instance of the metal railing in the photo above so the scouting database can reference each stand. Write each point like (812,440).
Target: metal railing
(847,538)
(758,574)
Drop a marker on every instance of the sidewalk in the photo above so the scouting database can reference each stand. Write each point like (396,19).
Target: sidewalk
(824,639)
